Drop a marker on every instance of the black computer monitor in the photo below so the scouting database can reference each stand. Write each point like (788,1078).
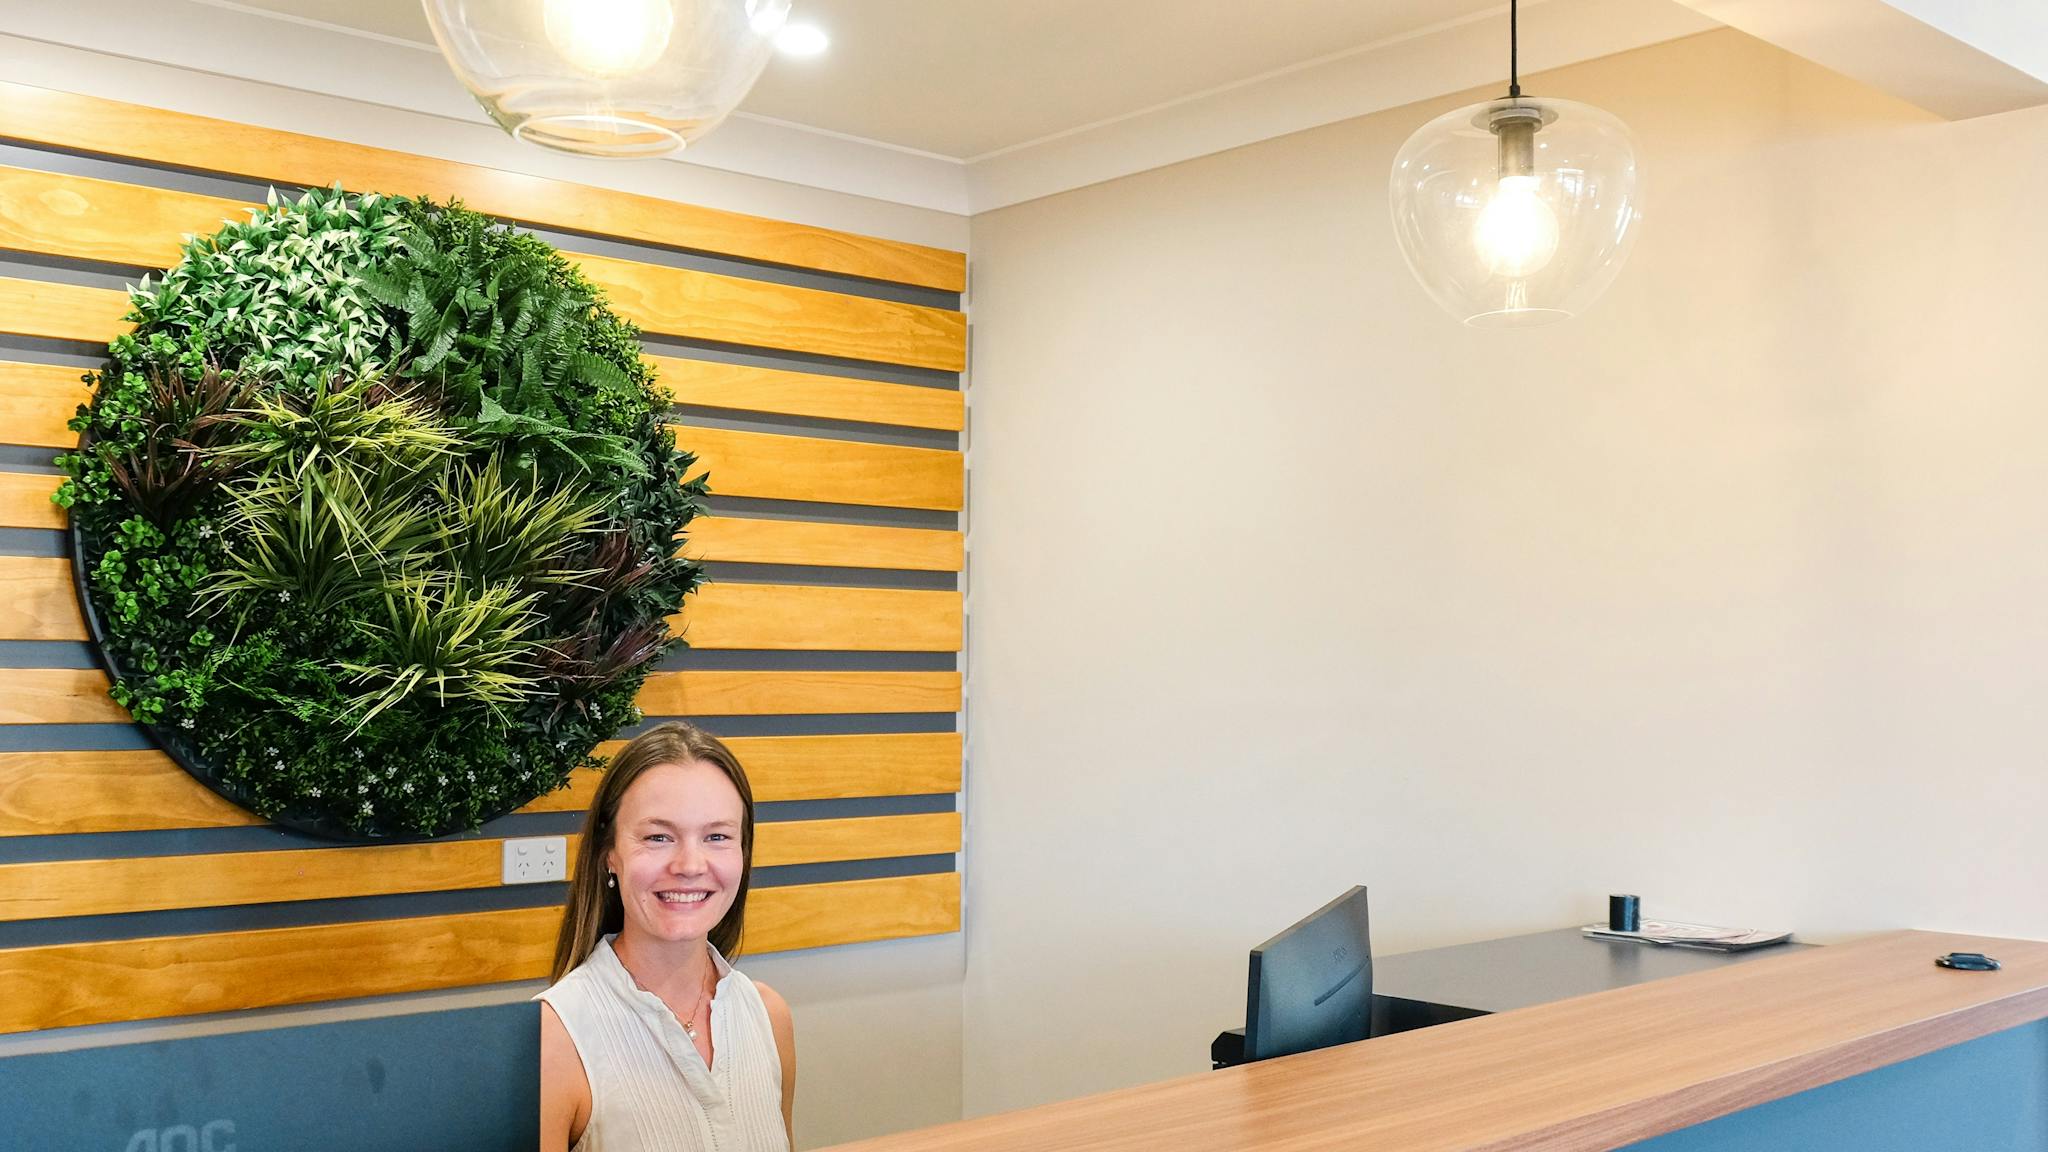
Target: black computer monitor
(1311,986)
(453,1081)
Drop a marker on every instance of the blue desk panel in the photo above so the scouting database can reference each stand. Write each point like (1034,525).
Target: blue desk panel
(1986,1095)
(447,1081)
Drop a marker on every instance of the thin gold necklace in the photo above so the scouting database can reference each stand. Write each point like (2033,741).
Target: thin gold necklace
(703,998)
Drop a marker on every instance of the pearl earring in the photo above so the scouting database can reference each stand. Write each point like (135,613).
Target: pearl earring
(611,881)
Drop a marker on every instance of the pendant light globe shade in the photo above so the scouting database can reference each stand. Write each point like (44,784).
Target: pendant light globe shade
(1518,211)
(607,77)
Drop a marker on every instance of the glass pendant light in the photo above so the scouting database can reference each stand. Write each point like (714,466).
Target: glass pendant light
(607,77)
(1518,211)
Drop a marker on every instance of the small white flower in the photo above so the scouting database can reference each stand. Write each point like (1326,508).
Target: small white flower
(205,531)
(313,792)
(472,777)
(270,751)
(406,788)
(597,710)
(366,808)
(358,753)
(280,765)
(362,788)
(185,723)
(284,595)
(440,779)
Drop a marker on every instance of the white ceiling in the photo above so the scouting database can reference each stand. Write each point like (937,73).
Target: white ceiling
(965,78)
(964,106)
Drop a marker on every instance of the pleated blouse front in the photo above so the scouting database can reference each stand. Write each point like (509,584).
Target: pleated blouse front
(649,1088)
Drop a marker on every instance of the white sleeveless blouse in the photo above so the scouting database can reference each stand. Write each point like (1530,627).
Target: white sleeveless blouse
(649,1088)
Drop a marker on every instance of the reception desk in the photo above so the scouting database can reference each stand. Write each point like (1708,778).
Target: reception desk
(1865,1045)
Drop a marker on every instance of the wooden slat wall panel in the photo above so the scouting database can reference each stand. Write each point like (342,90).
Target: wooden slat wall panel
(752,464)
(84,218)
(87,219)
(818,915)
(72,984)
(53,793)
(73,692)
(60,311)
(56,793)
(825,693)
(154,884)
(753,389)
(828,545)
(25,503)
(776,467)
(44,606)
(38,599)
(25,500)
(791,617)
(50,793)
(112,128)
(36,400)
(728,309)
(59,696)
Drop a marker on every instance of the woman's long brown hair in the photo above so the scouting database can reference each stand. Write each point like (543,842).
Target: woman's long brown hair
(594,910)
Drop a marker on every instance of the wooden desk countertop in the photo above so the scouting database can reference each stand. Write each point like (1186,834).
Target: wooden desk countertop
(1595,1072)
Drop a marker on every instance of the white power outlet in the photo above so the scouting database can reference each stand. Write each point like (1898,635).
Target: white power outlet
(536,859)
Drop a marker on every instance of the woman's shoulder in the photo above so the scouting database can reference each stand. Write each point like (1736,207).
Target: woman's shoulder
(579,986)
(777,1007)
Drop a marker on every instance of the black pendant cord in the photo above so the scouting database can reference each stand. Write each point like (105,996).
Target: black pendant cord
(1514,52)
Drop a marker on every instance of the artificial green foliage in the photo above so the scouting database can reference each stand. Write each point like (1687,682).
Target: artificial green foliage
(378,513)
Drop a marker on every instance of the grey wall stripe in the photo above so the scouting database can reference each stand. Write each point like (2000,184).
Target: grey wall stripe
(784,875)
(765,660)
(131,737)
(855,807)
(821,365)
(47,159)
(719,571)
(57,542)
(672,257)
(861,724)
(47,654)
(240,918)
(784,425)
(73,738)
(353,909)
(48,542)
(267,838)
(665,345)
(66,270)
(824,513)
(253,192)
(28,458)
(259,838)
(79,354)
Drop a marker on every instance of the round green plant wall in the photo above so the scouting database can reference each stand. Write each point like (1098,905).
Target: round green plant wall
(376,515)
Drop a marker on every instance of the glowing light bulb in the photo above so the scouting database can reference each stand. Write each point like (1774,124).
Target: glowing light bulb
(1517,231)
(609,37)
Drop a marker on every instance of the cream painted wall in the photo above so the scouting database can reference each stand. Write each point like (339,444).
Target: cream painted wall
(1729,593)
(900,998)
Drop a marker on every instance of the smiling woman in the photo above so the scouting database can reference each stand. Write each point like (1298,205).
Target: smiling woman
(649,1037)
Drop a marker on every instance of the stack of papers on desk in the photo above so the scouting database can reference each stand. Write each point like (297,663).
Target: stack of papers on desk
(1691,935)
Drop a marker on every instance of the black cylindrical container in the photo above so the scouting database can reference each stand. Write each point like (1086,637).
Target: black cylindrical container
(1624,914)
